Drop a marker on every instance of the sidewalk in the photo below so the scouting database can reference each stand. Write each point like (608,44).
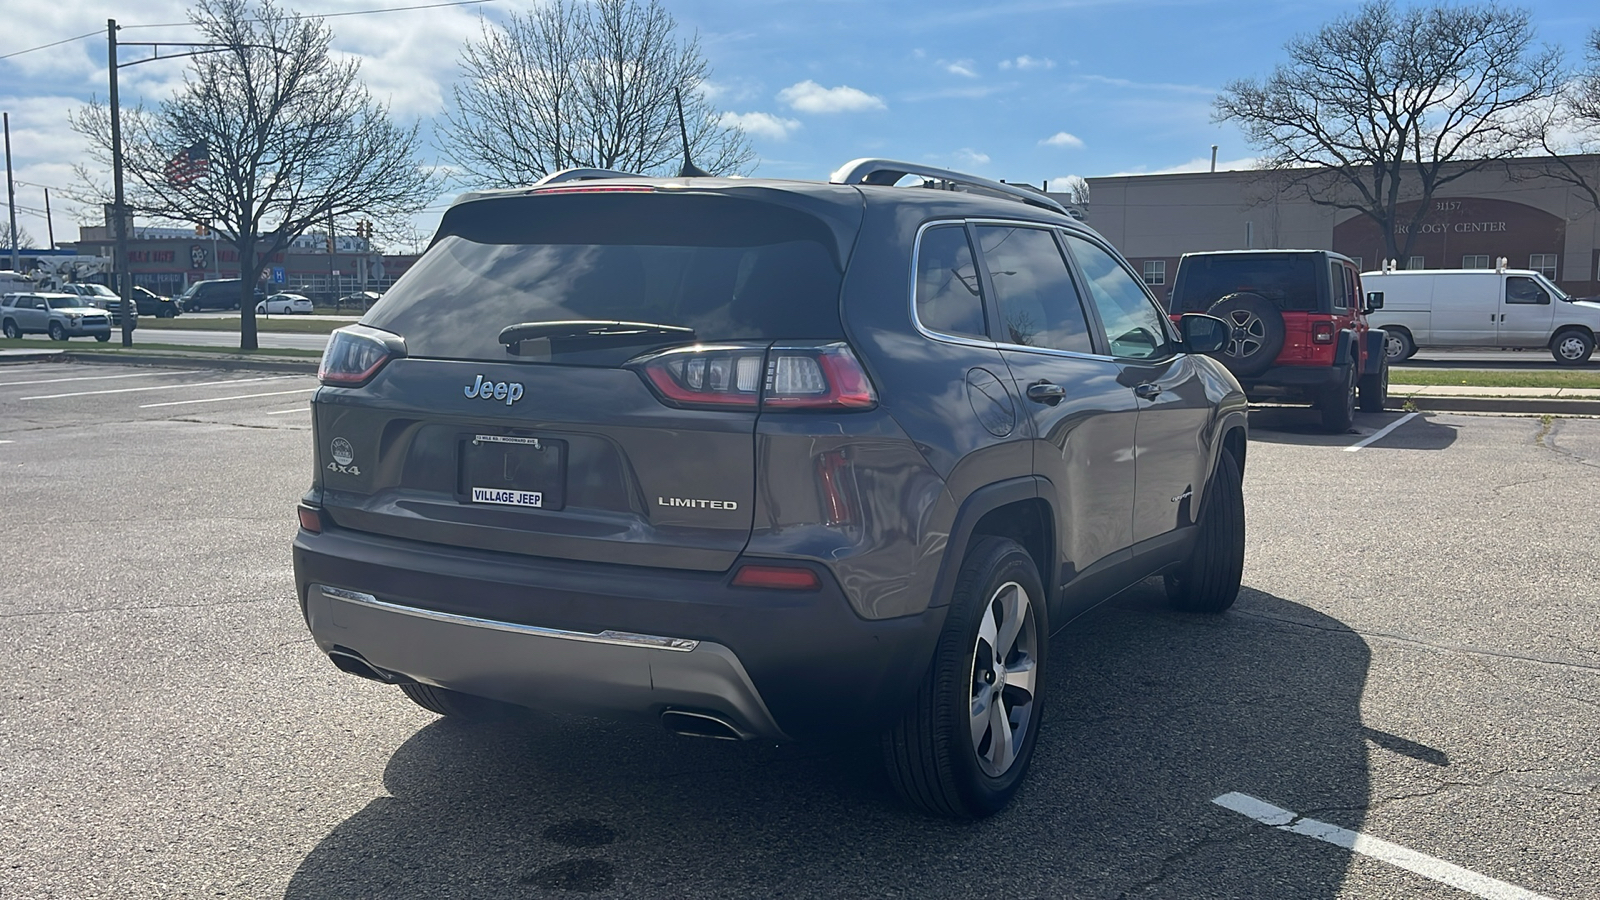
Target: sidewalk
(1526,400)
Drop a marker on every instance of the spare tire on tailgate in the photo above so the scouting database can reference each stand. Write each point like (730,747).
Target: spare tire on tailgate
(1257,332)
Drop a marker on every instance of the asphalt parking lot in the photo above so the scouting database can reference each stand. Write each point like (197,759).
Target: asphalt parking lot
(1412,671)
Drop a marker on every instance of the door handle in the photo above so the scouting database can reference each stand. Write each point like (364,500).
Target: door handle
(1147,391)
(1045,392)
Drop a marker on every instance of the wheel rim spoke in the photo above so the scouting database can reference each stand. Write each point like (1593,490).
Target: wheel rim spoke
(1002,744)
(981,712)
(1013,606)
(1019,681)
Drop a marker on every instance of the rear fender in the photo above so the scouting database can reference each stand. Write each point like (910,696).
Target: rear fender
(1376,351)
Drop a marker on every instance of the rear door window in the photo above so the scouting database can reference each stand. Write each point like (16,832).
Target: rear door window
(949,297)
(727,269)
(1034,294)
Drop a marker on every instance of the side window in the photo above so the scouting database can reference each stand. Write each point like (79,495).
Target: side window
(1352,288)
(1038,305)
(1336,285)
(1134,326)
(949,299)
(1521,289)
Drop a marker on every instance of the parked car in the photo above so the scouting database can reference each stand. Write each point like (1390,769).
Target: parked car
(61,316)
(358,300)
(765,459)
(284,304)
(219,293)
(1505,308)
(97,295)
(1300,327)
(150,303)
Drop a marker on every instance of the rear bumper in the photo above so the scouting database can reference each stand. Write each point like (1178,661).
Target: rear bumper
(608,640)
(1294,379)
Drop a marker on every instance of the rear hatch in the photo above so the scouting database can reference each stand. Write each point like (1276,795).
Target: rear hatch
(580,372)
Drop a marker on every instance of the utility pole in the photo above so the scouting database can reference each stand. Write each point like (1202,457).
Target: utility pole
(11,195)
(119,262)
(49,223)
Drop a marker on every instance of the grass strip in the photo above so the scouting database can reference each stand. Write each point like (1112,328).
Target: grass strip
(283,324)
(1587,378)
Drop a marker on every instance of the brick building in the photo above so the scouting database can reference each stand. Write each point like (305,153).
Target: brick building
(1501,210)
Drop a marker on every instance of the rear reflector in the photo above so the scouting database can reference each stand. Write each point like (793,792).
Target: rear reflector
(310,519)
(782,578)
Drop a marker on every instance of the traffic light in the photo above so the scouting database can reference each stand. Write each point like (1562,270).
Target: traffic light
(330,241)
(201,230)
(364,229)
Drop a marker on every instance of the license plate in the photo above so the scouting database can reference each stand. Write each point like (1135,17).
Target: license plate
(511,470)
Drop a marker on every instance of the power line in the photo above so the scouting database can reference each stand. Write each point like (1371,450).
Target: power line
(336,15)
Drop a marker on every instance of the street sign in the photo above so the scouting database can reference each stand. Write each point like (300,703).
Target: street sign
(336,273)
(279,275)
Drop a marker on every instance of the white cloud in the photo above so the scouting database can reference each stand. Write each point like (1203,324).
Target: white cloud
(759,124)
(1063,139)
(1028,62)
(963,67)
(1150,85)
(970,157)
(1198,164)
(810,97)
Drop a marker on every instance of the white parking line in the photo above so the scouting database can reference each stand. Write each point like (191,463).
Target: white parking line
(98,377)
(1380,433)
(160,387)
(220,399)
(7,442)
(285,412)
(1421,863)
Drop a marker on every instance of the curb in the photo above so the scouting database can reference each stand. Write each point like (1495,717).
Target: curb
(27,356)
(306,367)
(1523,405)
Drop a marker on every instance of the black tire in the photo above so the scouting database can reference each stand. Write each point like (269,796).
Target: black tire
(932,757)
(1257,332)
(1375,388)
(1398,346)
(456,705)
(1209,581)
(102,338)
(57,332)
(11,330)
(1338,403)
(1572,346)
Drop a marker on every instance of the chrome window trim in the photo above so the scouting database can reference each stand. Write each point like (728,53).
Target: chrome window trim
(614,638)
(916,321)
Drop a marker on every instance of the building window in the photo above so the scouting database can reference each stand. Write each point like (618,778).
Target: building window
(1544,264)
(1155,271)
(1415,262)
(1475,261)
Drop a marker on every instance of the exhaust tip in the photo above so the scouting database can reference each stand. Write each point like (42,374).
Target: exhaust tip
(703,725)
(353,663)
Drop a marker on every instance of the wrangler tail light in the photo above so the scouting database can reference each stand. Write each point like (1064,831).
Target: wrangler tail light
(1322,332)
(742,376)
(355,353)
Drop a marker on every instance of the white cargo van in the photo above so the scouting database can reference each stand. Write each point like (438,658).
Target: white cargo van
(1499,308)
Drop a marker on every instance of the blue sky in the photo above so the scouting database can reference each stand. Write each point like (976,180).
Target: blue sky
(1024,90)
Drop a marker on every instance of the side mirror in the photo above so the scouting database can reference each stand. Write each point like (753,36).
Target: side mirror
(1203,333)
(1374,301)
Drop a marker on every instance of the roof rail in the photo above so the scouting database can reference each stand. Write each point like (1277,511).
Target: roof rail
(581,175)
(888,171)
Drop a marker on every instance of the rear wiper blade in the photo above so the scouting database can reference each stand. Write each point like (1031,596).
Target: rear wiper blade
(512,335)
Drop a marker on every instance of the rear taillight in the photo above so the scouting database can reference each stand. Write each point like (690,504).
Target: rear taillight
(356,353)
(826,377)
(1322,332)
(780,378)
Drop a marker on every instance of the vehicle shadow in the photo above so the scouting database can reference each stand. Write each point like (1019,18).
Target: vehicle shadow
(1154,715)
(1299,426)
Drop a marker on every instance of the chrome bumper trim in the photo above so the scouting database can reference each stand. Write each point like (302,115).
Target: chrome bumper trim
(615,638)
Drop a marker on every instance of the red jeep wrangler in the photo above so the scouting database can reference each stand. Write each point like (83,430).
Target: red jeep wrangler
(1299,326)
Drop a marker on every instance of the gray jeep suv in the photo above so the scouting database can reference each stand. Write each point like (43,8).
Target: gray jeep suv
(765,459)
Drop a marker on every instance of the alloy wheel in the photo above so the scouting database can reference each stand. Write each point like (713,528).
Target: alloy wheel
(1249,333)
(1004,669)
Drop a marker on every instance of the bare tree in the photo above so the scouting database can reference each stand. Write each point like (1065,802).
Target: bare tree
(23,238)
(1571,128)
(1385,106)
(270,136)
(584,84)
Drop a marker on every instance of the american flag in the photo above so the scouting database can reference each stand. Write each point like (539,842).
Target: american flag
(189,165)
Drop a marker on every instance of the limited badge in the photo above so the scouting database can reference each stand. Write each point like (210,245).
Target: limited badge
(343,457)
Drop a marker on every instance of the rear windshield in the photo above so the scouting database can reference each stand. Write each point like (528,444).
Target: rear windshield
(1290,282)
(729,269)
